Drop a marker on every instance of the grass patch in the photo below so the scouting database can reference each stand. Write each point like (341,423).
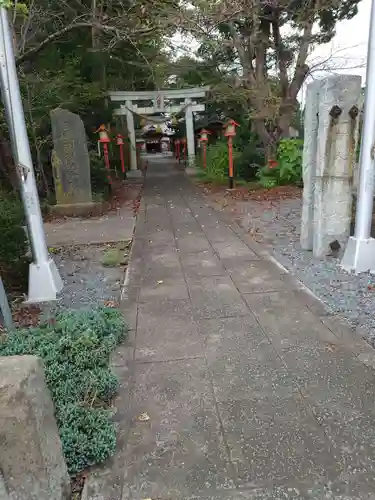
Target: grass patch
(75,349)
(116,256)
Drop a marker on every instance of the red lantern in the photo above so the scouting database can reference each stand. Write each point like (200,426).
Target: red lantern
(230,132)
(230,128)
(204,139)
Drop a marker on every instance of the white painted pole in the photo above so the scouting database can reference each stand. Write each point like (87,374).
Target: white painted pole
(44,278)
(189,120)
(360,251)
(134,172)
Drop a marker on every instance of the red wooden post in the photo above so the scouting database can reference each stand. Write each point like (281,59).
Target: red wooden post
(105,140)
(177,143)
(204,139)
(120,144)
(183,142)
(230,132)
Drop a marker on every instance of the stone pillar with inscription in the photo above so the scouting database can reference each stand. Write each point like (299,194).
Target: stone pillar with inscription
(71,165)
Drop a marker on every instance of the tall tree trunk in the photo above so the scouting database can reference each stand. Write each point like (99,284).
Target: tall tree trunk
(267,138)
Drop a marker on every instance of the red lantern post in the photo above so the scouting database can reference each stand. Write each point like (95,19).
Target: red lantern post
(105,140)
(120,144)
(204,139)
(177,149)
(230,132)
(183,142)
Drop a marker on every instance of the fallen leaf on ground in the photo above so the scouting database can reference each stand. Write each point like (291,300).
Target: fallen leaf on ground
(110,303)
(143,417)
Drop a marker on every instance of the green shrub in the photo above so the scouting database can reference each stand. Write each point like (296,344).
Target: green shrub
(287,169)
(13,241)
(250,156)
(218,161)
(75,349)
(99,175)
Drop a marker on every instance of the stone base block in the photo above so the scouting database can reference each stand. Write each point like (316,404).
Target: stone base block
(134,174)
(31,461)
(359,255)
(77,209)
(191,171)
(44,282)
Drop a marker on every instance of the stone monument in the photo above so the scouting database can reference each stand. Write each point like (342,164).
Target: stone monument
(70,164)
(331,128)
(32,465)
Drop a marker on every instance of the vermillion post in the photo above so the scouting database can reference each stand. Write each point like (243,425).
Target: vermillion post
(185,152)
(203,140)
(230,151)
(105,140)
(120,144)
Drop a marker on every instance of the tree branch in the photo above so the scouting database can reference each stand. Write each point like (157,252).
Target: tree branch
(29,54)
(280,54)
(302,68)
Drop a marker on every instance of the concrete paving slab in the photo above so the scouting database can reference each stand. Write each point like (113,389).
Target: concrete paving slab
(253,276)
(216,297)
(276,440)
(238,249)
(251,391)
(201,264)
(107,229)
(180,449)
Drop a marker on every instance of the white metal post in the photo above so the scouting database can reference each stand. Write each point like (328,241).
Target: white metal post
(44,278)
(189,120)
(360,251)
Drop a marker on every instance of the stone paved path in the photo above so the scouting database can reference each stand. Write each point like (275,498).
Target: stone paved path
(252,392)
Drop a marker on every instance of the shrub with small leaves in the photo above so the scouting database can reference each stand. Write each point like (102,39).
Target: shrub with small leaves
(75,348)
(13,242)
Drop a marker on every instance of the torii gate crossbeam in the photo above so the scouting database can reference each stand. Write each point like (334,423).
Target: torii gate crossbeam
(127,108)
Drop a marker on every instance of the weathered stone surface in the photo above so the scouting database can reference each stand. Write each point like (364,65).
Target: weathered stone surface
(309,162)
(328,162)
(335,162)
(70,160)
(31,459)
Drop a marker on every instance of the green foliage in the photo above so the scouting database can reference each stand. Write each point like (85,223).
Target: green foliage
(13,241)
(75,349)
(99,175)
(288,167)
(217,161)
(251,154)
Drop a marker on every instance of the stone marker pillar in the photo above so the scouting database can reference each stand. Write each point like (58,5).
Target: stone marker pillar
(31,462)
(71,164)
(310,142)
(329,157)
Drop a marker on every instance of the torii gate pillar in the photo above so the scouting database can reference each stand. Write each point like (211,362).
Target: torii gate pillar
(133,172)
(189,120)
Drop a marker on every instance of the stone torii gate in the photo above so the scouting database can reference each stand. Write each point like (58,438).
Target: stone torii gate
(161,104)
